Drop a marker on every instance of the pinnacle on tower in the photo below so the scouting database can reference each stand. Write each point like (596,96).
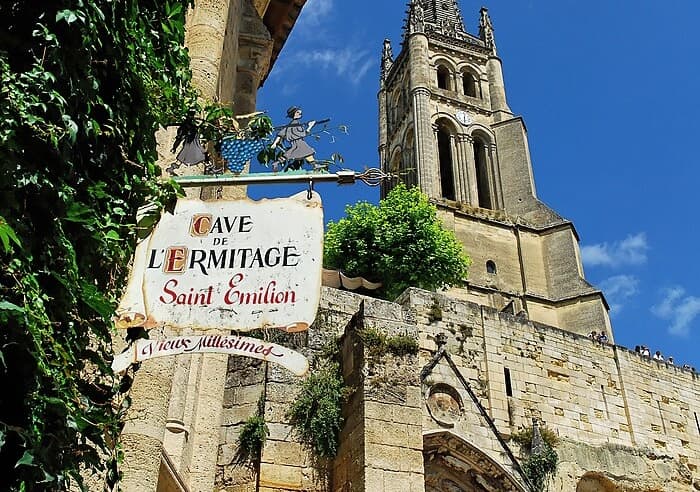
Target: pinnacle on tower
(387,60)
(486,30)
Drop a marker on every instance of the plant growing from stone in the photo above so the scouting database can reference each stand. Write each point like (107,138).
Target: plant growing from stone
(524,437)
(539,468)
(252,438)
(316,414)
(379,343)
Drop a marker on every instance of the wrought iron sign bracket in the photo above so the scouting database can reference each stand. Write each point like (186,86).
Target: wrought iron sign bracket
(370,177)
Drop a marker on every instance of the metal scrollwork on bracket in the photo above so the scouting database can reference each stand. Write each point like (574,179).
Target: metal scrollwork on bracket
(373,176)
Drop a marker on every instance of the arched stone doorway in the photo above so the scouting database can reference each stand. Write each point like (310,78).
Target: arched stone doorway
(454,465)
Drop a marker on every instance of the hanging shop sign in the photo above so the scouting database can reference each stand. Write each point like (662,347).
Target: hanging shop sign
(229,264)
(224,344)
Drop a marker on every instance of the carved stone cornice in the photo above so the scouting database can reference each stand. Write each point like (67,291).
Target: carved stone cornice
(467,42)
(458,101)
(280,17)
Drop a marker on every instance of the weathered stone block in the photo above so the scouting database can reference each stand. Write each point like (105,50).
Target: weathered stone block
(284,453)
(393,458)
(280,476)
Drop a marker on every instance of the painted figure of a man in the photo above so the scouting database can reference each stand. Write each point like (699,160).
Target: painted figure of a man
(293,134)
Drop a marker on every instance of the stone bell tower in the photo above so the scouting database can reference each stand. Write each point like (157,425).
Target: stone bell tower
(445,126)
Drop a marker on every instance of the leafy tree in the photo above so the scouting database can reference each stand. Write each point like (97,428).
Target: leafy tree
(84,85)
(400,243)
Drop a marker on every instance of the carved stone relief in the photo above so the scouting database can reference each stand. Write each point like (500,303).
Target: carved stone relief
(452,464)
(444,404)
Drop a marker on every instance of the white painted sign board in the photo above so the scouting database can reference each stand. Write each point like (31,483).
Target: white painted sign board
(229,264)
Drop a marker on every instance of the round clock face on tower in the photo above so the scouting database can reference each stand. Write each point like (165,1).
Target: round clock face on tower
(464,118)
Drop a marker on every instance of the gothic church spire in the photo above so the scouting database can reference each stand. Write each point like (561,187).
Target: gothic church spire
(441,16)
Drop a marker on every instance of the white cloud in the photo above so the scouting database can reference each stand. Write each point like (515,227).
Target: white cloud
(347,63)
(313,49)
(618,289)
(678,308)
(289,89)
(630,251)
(314,13)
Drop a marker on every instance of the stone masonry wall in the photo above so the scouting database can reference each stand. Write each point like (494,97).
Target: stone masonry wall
(387,391)
(605,402)
(515,166)
(621,419)
(285,464)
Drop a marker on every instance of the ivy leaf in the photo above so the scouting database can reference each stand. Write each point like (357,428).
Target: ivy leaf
(93,298)
(77,422)
(26,459)
(8,306)
(7,234)
(77,212)
(172,10)
(67,15)
(47,477)
(113,235)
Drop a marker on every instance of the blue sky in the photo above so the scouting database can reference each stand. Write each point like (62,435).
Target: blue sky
(609,91)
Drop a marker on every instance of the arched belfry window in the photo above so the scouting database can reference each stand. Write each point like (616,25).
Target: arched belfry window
(443,77)
(395,108)
(469,85)
(444,143)
(395,166)
(491,267)
(483,183)
(396,162)
(409,172)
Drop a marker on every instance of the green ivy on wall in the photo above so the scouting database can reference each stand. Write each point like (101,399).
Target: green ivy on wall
(84,85)
(538,468)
